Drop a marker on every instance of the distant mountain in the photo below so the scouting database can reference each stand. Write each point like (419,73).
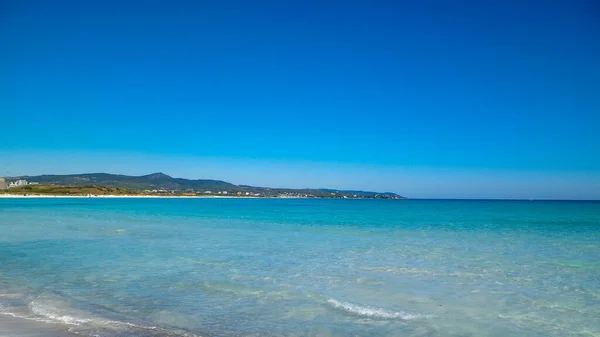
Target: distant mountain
(357,192)
(147,182)
(160,181)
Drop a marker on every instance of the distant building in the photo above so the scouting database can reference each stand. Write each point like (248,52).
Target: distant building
(3,184)
(18,183)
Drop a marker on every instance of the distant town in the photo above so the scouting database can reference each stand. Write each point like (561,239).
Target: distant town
(17,183)
(159,184)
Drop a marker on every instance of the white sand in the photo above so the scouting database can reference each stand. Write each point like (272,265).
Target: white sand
(124,196)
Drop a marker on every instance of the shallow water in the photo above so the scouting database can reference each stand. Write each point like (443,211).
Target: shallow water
(273,267)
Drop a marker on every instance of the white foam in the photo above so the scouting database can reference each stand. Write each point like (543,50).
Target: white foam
(42,310)
(371,312)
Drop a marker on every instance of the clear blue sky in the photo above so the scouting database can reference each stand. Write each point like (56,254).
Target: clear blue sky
(424,98)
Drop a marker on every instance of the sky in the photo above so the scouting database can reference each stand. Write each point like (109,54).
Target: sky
(428,99)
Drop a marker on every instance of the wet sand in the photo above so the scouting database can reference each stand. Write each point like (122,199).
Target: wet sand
(19,327)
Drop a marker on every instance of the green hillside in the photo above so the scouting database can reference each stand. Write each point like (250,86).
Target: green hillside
(160,182)
(69,190)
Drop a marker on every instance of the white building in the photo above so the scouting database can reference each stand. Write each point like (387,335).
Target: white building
(18,183)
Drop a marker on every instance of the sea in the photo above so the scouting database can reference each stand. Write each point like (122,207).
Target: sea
(111,267)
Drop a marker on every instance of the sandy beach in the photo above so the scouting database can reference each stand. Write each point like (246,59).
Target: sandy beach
(18,327)
(16,196)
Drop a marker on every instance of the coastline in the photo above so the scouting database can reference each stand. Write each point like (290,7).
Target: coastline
(125,196)
(16,196)
(11,326)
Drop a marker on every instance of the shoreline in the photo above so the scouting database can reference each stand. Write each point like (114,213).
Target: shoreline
(22,196)
(125,196)
(11,326)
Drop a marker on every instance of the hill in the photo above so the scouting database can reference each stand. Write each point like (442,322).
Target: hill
(160,182)
(154,181)
(70,190)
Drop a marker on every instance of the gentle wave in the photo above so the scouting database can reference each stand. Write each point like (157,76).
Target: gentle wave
(232,288)
(415,271)
(371,312)
(44,312)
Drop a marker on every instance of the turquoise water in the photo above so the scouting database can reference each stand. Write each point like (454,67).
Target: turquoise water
(256,267)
